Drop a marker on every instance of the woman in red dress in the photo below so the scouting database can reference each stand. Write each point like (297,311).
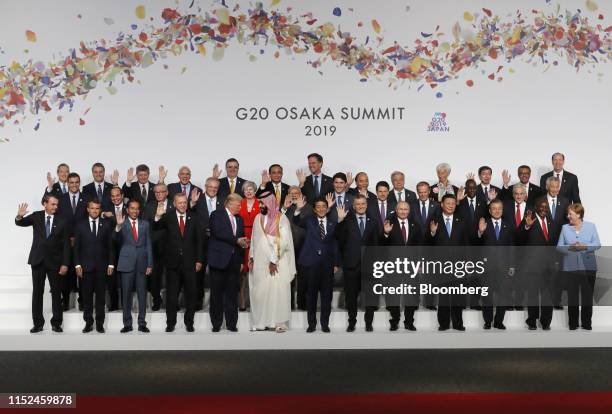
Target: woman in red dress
(249,209)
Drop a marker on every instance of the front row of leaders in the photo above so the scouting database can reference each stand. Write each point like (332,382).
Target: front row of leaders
(272,259)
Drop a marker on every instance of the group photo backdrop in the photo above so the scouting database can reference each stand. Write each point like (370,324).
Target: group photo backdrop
(163,83)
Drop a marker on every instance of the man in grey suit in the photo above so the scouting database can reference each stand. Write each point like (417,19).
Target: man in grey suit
(135,262)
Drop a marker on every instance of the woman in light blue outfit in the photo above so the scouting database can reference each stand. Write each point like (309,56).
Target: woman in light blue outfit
(578,242)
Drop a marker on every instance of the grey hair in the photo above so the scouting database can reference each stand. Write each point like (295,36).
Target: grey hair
(443,166)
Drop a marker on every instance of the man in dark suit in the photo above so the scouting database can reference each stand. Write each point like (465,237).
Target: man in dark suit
(94,261)
(98,188)
(231,183)
(569,182)
(319,260)
(59,187)
(225,254)
(340,196)
(486,191)
(271,181)
(203,205)
(142,189)
(49,258)
(317,184)
(399,192)
(184,185)
(539,230)
(356,229)
(183,257)
(497,236)
(449,229)
(384,207)
(532,191)
(158,239)
(299,285)
(471,208)
(362,182)
(113,284)
(402,230)
(135,263)
(72,207)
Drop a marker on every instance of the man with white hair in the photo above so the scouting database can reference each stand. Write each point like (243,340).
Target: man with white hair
(184,185)
(399,191)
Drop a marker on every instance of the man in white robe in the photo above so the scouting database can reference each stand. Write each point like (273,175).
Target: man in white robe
(272,267)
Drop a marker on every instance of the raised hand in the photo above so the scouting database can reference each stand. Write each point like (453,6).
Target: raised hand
(195,196)
(63,270)
(161,210)
(120,218)
(50,180)
(162,174)
(470,176)
(461,193)
(22,210)
(130,175)
(342,212)
(492,194)
(505,178)
(216,172)
(287,203)
(300,203)
(529,218)
(329,197)
(482,225)
(433,227)
(115,177)
(301,177)
(148,271)
(349,179)
(265,178)
(387,226)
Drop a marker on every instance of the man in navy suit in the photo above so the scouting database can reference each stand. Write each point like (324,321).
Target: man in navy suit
(72,207)
(271,181)
(317,184)
(94,261)
(135,263)
(569,182)
(399,192)
(384,207)
(486,191)
(59,187)
(183,258)
(449,230)
(532,191)
(355,229)
(340,196)
(319,260)
(496,234)
(142,189)
(49,258)
(99,188)
(184,185)
(231,183)
(225,254)
(401,230)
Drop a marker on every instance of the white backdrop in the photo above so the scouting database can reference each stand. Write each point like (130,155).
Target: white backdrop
(175,118)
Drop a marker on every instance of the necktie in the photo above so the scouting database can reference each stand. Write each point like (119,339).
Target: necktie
(321,229)
(316,186)
(404,233)
(544,229)
(423,212)
(48,227)
(231,185)
(486,192)
(210,208)
(472,209)
(93,228)
(361,226)
(144,192)
(448,226)
(340,200)
(399,196)
(64,188)
(184,190)
(117,210)
(134,231)
(383,216)
(99,192)
(182,225)
(496,230)
(553,208)
(73,204)
(517,216)
(233,220)
(278,193)
(557,174)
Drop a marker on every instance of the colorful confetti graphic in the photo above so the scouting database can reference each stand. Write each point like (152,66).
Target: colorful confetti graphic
(543,38)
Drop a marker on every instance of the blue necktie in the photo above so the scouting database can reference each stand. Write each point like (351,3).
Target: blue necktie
(553,208)
(472,210)
(497,230)
(64,188)
(448,226)
(48,227)
(99,192)
(423,212)
(339,200)
(316,186)
(361,226)
(210,209)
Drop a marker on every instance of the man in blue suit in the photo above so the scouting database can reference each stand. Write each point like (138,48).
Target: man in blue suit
(319,259)
(135,262)
(225,253)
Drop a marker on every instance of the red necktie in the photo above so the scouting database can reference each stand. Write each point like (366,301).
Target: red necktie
(404,234)
(134,232)
(544,229)
(517,216)
(182,225)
